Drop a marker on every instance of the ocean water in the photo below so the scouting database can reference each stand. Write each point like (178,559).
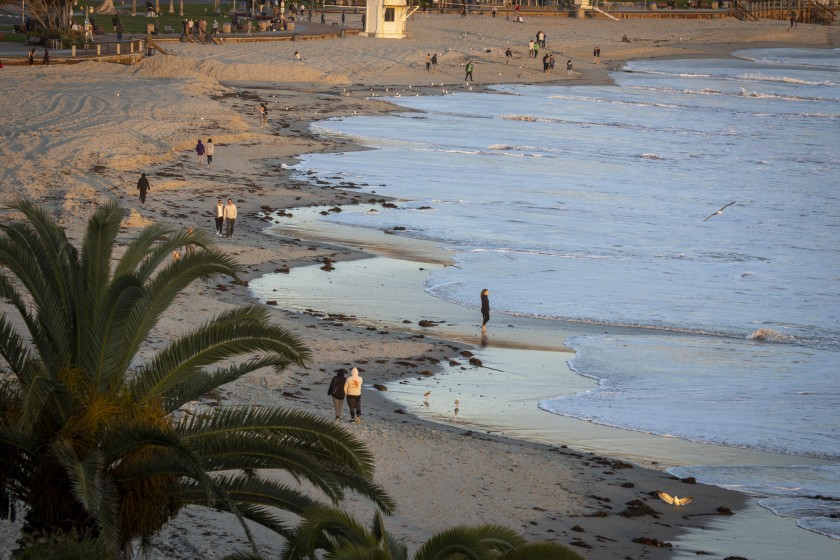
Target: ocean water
(599,205)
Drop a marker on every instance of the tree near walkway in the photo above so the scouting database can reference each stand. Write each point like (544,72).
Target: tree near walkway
(332,534)
(94,439)
(51,14)
(107,8)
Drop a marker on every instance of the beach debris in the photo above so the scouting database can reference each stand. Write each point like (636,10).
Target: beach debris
(466,353)
(475,362)
(637,508)
(578,529)
(652,542)
(327,264)
(379,387)
(723,510)
(688,480)
(718,212)
(271,302)
(426,323)
(674,500)
(580,543)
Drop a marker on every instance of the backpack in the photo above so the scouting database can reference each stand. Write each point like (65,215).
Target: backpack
(336,389)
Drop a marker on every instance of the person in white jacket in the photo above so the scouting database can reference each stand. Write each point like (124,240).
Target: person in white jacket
(209,151)
(353,392)
(230,217)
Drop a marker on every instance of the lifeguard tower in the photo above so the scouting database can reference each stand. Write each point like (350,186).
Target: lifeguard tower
(387,19)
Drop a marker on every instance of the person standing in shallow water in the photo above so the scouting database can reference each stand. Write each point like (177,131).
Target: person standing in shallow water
(485,308)
(143,186)
(336,391)
(353,391)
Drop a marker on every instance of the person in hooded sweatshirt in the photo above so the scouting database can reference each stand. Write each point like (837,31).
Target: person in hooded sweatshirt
(199,150)
(353,390)
(336,391)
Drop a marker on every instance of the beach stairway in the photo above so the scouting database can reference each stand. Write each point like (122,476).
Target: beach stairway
(807,11)
(153,45)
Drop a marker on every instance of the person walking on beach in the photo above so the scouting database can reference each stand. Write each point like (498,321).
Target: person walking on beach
(199,150)
(31,57)
(597,55)
(46,57)
(264,115)
(230,217)
(546,58)
(469,75)
(428,62)
(209,150)
(485,309)
(569,68)
(260,113)
(353,391)
(220,217)
(531,48)
(434,62)
(508,55)
(336,391)
(143,187)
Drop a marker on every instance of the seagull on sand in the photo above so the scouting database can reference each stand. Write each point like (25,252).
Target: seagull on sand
(719,211)
(674,500)
(426,394)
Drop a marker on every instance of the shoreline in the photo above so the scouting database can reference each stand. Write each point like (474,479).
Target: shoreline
(440,475)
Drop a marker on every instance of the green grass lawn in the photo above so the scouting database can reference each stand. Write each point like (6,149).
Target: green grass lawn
(137,24)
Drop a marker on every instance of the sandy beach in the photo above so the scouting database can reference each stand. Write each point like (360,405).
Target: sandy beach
(76,135)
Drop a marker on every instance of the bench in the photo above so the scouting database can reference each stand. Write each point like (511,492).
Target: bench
(168,29)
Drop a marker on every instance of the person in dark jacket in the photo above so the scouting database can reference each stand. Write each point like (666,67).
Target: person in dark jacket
(485,308)
(143,186)
(336,391)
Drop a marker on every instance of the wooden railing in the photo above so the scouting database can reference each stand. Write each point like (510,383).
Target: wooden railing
(806,11)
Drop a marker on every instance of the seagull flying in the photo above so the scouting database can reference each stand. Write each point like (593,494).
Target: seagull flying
(719,211)
(674,500)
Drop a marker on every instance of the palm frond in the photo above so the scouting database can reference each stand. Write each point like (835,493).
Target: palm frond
(327,529)
(540,551)
(476,542)
(89,488)
(234,333)
(162,289)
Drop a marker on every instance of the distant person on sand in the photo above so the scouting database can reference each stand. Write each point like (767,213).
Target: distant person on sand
(31,57)
(230,217)
(323,18)
(46,57)
(199,150)
(597,55)
(434,62)
(220,217)
(428,62)
(336,391)
(792,19)
(546,58)
(210,150)
(353,391)
(469,75)
(569,68)
(143,187)
(508,55)
(485,309)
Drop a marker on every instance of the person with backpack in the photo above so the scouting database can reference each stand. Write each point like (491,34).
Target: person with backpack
(336,391)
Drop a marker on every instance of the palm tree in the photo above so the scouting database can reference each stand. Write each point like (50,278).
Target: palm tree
(335,535)
(94,441)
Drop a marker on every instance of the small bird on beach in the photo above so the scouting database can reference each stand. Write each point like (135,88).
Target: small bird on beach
(674,500)
(719,211)
(426,394)
(457,402)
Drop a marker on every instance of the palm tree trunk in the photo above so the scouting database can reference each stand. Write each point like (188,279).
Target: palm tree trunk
(181,13)
(171,6)
(133,7)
